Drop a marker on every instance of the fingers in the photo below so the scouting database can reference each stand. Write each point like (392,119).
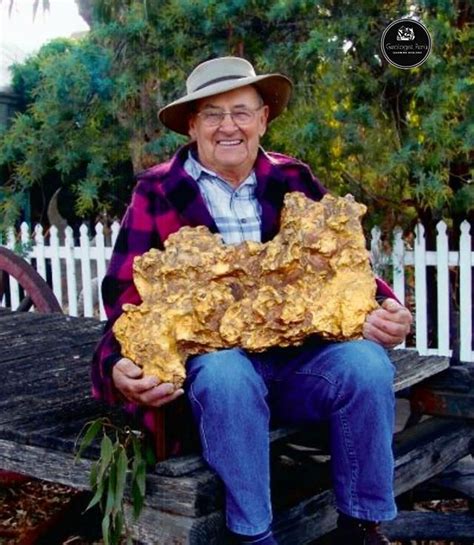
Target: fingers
(388,325)
(127,367)
(129,380)
(374,333)
(158,401)
(391,305)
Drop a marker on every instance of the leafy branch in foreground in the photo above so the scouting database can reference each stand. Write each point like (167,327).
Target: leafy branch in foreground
(121,467)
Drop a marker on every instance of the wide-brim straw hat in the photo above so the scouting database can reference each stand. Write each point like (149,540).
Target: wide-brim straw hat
(218,76)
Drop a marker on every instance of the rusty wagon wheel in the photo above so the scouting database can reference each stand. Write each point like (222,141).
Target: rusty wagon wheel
(37,292)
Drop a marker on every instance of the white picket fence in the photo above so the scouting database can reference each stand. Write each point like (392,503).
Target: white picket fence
(76,272)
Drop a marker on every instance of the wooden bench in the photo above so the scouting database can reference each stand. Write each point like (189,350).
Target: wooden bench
(45,400)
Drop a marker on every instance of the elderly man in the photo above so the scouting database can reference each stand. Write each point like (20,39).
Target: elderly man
(224,180)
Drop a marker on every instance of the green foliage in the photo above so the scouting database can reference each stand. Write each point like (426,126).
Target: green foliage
(68,127)
(119,471)
(399,140)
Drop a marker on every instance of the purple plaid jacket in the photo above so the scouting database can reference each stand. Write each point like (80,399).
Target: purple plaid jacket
(165,199)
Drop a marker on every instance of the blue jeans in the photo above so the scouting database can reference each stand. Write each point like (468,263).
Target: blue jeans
(234,394)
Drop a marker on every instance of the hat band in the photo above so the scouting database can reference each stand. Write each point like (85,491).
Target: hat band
(217,80)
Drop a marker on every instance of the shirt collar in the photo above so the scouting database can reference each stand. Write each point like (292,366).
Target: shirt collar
(195,169)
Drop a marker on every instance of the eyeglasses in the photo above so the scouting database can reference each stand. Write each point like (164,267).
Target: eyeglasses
(242,116)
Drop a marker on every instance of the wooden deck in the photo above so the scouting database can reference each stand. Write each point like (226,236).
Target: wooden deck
(45,400)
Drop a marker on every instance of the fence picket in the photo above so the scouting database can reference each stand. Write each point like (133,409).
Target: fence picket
(84,252)
(398,266)
(421,319)
(466,262)
(442,285)
(38,252)
(375,249)
(70,271)
(115,231)
(14,287)
(91,256)
(55,264)
(25,240)
(100,246)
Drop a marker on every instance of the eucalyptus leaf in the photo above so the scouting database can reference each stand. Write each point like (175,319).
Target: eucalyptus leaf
(122,467)
(94,471)
(118,527)
(91,431)
(111,487)
(140,477)
(138,500)
(97,497)
(106,530)
(106,454)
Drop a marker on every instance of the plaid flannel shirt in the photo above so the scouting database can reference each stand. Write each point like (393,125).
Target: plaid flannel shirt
(165,199)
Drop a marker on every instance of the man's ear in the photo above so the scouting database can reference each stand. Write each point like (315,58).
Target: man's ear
(263,120)
(192,126)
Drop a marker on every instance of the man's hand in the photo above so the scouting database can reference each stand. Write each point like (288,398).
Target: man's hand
(388,325)
(129,380)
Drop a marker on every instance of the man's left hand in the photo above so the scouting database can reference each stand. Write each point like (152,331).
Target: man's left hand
(389,324)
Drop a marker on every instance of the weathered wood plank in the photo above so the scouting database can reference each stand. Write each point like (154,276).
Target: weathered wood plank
(459,477)
(451,393)
(45,464)
(166,529)
(444,403)
(21,346)
(25,324)
(413,370)
(428,525)
(428,448)
(29,348)
(200,494)
(10,321)
(47,370)
(457,378)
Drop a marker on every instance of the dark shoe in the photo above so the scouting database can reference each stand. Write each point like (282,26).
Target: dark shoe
(351,531)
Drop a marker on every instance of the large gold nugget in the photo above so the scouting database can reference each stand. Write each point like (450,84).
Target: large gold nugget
(201,295)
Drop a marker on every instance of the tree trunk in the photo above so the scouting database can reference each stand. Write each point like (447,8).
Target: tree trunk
(86,10)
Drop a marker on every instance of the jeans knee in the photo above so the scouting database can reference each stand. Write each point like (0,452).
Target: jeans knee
(224,374)
(370,368)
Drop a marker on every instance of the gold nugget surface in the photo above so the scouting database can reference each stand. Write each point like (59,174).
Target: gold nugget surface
(201,295)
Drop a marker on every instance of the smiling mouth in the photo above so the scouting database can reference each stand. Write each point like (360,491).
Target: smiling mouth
(229,143)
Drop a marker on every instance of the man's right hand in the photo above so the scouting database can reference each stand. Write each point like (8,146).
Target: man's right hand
(129,380)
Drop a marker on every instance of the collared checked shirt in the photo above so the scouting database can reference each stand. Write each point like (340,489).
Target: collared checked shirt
(236,211)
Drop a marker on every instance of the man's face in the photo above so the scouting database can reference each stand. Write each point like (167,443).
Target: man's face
(228,146)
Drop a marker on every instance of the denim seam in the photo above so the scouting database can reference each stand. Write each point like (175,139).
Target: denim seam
(368,514)
(247,530)
(351,455)
(206,451)
(261,538)
(319,375)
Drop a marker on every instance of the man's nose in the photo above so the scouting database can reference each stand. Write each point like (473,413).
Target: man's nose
(228,122)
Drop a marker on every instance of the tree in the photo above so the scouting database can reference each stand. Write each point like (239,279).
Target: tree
(399,140)
(68,132)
